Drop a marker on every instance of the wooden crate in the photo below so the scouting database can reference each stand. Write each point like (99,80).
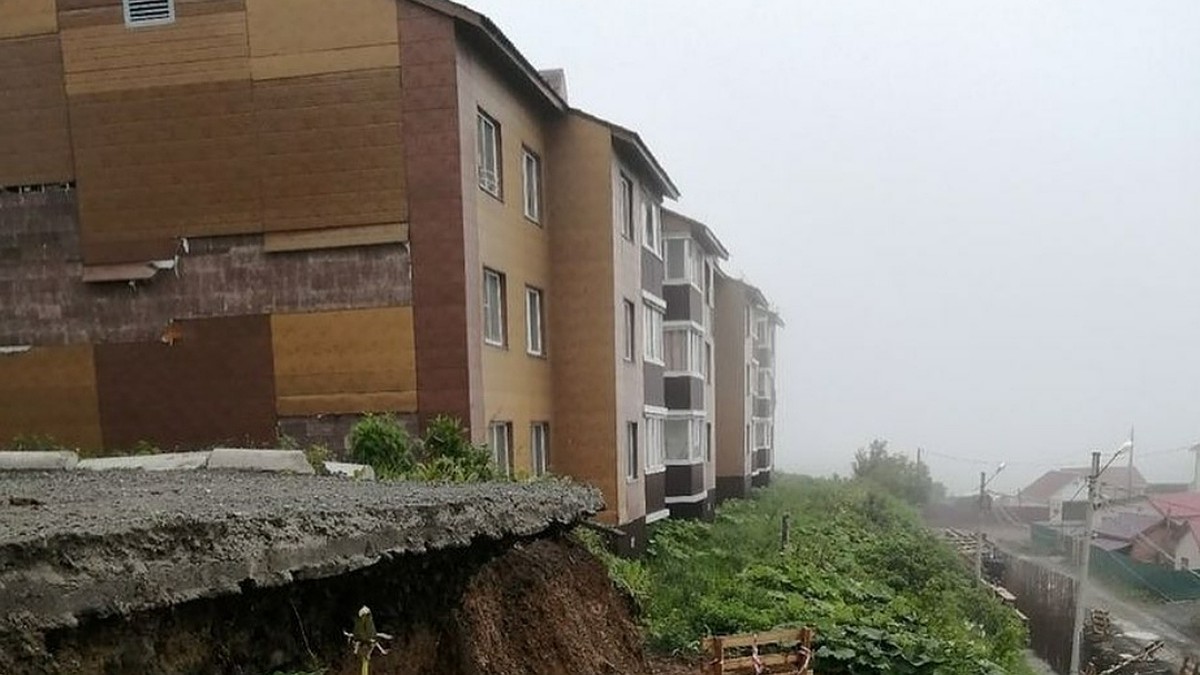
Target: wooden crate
(794,654)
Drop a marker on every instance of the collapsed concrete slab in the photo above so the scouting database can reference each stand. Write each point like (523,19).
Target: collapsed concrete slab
(47,460)
(243,459)
(87,545)
(167,461)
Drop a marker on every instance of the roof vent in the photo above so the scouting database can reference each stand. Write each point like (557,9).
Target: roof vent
(557,79)
(148,12)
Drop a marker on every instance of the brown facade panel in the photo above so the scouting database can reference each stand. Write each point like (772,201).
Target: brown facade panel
(44,301)
(292,38)
(27,17)
(50,392)
(685,480)
(656,491)
(160,164)
(193,49)
(330,150)
(213,385)
(344,362)
(433,162)
(35,145)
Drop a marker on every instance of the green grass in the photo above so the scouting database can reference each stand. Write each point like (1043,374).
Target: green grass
(884,595)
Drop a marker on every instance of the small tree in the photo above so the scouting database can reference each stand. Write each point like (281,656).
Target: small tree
(896,474)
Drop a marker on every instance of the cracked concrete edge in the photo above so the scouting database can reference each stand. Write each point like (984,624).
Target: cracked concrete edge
(104,578)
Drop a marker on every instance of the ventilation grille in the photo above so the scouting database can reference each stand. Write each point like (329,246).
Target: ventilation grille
(149,12)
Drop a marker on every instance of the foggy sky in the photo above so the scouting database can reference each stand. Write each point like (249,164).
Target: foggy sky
(980,220)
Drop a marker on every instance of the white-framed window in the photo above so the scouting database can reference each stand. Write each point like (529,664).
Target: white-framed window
(632,463)
(625,205)
(685,262)
(500,442)
(762,434)
(684,350)
(686,438)
(656,448)
(708,361)
(494,332)
(487,153)
(148,12)
(652,333)
(539,444)
(531,170)
(708,284)
(651,226)
(535,322)
(629,334)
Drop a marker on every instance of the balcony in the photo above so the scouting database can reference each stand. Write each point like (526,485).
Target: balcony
(764,406)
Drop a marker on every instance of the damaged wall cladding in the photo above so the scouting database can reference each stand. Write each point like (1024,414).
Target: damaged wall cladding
(235,256)
(219,349)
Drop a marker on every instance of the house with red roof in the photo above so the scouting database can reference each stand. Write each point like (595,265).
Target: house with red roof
(1175,540)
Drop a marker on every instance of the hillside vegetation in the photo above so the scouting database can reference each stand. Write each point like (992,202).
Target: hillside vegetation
(884,595)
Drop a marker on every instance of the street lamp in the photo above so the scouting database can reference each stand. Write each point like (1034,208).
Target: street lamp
(1085,557)
(984,481)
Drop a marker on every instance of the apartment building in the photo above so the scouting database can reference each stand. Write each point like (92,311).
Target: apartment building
(692,255)
(746,326)
(226,221)
(222,221)
(606,280)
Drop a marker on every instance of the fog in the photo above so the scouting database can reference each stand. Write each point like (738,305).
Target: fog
(980,220)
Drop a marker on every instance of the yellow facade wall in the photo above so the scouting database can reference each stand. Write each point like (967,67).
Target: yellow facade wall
(344,362)
(517,386)
(51,391)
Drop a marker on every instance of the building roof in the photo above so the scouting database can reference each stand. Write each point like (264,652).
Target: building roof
(1114,478)
(1126,526)
(488,35)
(1048,485)
(628,141)
(1178,505)
(702,233)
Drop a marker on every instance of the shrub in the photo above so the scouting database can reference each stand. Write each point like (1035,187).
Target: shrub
(317,455)
(383,442)
(450,456)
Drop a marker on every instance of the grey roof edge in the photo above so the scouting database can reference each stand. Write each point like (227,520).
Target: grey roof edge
(634,140)
(702,231)
(492,32)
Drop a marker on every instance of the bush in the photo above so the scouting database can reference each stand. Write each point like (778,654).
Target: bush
(383,442)
(450,456)
(883,594)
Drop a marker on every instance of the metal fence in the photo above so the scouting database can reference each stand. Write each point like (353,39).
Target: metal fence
(1047,599)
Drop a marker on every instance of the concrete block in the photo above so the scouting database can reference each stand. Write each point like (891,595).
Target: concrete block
(47,460)
(244,459)
(168,461)
(360,471)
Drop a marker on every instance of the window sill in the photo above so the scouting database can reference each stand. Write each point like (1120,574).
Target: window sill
(541,356)
(495,345)
(534,221)
(498,195)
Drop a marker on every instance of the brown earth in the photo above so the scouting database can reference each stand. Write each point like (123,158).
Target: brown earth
(514,607)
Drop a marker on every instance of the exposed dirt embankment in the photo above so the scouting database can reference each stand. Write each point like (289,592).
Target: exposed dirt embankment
(221,573)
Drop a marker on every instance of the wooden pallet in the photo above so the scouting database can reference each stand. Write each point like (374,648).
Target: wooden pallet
(789,650)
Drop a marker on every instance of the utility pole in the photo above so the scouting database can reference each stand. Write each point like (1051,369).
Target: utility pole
(1196,468)
(979,527)
(1129,478)
(1085,560)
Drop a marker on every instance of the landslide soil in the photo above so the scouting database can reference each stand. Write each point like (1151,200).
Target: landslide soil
(527,606)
